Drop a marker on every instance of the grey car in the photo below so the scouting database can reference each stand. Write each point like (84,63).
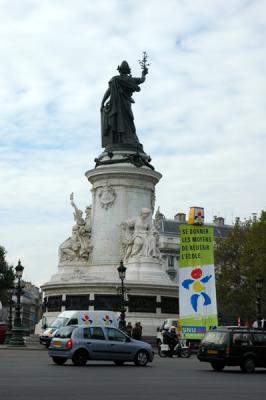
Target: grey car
(80,344)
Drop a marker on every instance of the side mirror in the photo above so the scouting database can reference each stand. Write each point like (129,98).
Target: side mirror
(44,323)
(128,339)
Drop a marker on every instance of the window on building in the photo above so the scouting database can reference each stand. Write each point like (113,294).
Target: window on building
(142,304)
(54,303)
(171,261)
(76,302)
(169,305)
(107,302)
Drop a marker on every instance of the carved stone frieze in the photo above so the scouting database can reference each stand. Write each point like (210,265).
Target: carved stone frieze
(107,196)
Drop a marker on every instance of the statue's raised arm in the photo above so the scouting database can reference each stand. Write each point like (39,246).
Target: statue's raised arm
(117,119)
(77,212)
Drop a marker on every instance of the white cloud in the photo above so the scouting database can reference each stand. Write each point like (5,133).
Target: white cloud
(200,114)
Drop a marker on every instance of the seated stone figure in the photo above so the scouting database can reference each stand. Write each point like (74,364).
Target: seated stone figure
(139,237)
(69,249)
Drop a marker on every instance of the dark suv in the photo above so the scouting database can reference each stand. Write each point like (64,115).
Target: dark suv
(234,346)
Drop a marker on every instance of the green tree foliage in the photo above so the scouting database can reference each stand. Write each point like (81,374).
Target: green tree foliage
(239,259)
(7,276)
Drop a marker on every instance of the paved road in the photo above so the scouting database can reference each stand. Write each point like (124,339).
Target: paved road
(31,375)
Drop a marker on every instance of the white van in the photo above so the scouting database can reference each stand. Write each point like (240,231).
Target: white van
(81,317)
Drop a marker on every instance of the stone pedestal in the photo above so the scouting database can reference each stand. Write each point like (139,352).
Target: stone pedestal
(122,186)
(146,270)
(119,192)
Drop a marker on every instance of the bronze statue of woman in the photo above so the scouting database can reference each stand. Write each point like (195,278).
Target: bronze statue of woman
(117,119)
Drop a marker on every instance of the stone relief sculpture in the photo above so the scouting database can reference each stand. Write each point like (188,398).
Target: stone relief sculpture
(77,247)
(139,237)
(107,196)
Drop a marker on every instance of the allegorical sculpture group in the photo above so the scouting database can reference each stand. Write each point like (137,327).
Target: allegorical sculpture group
(78,246)
(139,237)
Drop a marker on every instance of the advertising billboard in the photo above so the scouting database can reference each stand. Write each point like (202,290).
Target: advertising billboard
(197,291)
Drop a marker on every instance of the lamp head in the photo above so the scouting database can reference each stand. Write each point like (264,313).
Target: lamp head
(121,271)
(19,270)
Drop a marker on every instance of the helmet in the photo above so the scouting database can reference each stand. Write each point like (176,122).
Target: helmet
(124,68)
(172,328)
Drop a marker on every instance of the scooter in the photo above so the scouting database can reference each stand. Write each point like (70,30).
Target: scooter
(180,349)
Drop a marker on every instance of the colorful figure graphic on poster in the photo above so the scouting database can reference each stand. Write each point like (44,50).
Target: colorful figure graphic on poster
(198,288)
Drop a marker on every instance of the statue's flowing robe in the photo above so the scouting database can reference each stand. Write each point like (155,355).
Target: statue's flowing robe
(117,116)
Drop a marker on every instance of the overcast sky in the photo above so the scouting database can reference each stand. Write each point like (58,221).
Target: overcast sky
(200,114)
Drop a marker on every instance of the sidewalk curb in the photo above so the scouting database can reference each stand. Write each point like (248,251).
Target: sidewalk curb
(6,347)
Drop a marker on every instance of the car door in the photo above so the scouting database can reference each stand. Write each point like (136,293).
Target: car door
(259,347)
(96,343)
(120,346)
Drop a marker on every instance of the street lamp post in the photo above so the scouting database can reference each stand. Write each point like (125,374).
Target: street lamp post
(18,331)
(10,315)
(259,286)
(122,274)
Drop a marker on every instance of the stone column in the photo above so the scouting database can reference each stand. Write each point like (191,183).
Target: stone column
(119,191)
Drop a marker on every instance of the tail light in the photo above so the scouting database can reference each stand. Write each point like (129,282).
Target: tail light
(227,350)
(69,344)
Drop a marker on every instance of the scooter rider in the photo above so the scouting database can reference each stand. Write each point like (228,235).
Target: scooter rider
(170,337)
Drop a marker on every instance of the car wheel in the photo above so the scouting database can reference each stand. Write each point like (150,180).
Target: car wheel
(217,366)
(248,365)
(80,358)
(162,353)
(118,362)
(59,360)
(141,358)
(185,353)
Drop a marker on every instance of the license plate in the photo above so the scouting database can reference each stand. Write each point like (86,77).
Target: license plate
(212,351)
(57,344)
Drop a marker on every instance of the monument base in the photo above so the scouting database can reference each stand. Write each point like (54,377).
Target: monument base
(148,270)
(123,185)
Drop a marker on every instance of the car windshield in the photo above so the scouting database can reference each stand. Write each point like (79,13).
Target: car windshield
(215,337)
(65,332)
(58,322)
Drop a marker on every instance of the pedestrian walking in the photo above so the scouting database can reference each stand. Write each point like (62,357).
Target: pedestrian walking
(139,324)
(136,332)
(129,328)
